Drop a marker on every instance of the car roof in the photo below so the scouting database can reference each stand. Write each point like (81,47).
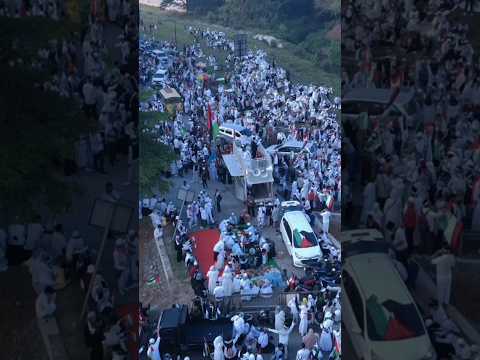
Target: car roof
(292,143)
(377,95)
(376,275)
(360,235)
(232,126)
(298,219)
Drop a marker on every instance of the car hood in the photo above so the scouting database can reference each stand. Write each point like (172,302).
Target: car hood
(308,253)
(411,349)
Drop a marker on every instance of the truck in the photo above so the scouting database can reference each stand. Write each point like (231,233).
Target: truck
(179,332)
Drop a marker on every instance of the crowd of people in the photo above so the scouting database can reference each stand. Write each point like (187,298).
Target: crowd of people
(257,95)
(79,67)
(418,175)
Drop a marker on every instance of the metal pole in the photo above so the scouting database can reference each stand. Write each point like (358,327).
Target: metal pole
(99,257)
(175,29)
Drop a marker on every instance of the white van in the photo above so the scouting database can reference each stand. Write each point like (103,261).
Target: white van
(379,314)
(160,77)
(297,234)
(233,131)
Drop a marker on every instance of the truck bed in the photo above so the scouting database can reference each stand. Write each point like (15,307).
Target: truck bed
(199,331)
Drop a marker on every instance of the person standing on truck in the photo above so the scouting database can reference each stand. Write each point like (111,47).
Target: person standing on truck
(153,351)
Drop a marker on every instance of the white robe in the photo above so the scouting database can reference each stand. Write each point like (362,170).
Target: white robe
(218,349)
(227,283)
(212,280)
(303,326)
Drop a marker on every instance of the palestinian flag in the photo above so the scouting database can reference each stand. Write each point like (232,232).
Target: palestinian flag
(450,229)
(329,202)
(212,122)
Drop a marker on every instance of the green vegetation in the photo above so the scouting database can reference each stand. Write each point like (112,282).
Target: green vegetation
(308,61)
(35,143)
(155,158)
(25,36)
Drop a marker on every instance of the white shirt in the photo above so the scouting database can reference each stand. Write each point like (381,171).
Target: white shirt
(153,351)
(44,308)
(444,263)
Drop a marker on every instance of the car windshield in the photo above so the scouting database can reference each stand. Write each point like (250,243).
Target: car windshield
(246,132)
(304,239)
(392,321)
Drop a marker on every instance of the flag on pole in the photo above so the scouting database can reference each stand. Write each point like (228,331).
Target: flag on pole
(212,123)
(329,202)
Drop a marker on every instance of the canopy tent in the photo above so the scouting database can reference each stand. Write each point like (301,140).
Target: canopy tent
(232,165)
(169,93)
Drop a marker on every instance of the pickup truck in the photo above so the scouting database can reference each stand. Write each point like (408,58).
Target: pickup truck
(178,332)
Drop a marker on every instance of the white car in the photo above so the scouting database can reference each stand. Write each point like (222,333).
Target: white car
(376,103)
(378,312)
(160,77)
(233,131)
(287,147)
(299,238)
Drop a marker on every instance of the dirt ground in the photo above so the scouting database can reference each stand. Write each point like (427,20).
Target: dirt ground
(157,294)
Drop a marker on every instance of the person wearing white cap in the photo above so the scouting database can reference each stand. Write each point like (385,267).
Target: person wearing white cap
(327,341)
(153,351)
(284,335)
(212,275)
(218,349)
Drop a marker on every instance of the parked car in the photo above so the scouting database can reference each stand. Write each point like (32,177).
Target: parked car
(288,147)
(233,131)
(160,77)
(297,234)
(376,103)
(378,311)
(179,331)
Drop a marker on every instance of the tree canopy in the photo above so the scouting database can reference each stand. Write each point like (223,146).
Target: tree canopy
(155,157)
(38,128)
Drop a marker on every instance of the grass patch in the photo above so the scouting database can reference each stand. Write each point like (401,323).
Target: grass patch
(32,34)
(291,57)
(146,94)
(153,117)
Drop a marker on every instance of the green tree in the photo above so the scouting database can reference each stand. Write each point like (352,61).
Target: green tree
(38,130)
(155,158)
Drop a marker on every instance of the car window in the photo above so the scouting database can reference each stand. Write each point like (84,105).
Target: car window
(350,107)
(375,109)
(246,132)
(304,239)
(354,297)
(288,230)
(402,321)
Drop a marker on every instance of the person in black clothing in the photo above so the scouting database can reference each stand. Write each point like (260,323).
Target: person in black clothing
(94,336)
(218,200)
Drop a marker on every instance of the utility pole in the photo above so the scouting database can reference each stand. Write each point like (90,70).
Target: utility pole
(175,30)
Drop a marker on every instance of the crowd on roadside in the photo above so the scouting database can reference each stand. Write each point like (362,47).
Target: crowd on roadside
(418,173)
(258,96)
(80,68)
